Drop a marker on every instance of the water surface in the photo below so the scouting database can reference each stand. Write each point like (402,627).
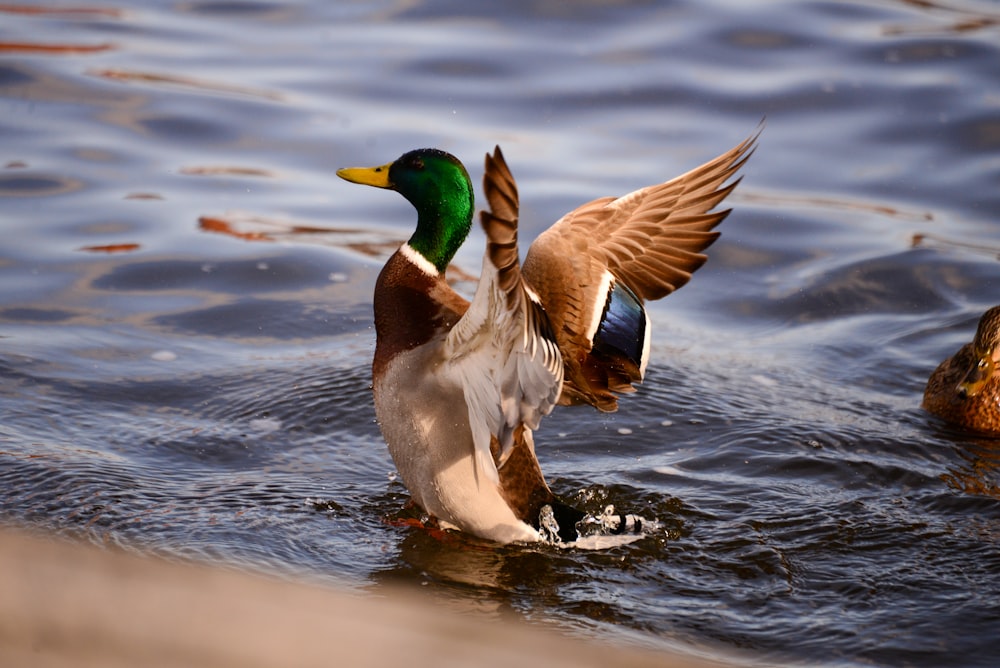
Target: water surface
(185,301)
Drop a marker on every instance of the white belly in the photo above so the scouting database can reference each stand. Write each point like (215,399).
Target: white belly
(426,427)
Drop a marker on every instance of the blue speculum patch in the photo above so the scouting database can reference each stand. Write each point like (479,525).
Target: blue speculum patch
(623,325)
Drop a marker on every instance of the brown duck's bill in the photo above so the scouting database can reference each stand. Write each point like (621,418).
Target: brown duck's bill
(976,377)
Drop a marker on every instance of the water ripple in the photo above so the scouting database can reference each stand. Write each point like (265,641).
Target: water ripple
(185,302)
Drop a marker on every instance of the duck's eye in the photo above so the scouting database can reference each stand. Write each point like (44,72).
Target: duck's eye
(415,163)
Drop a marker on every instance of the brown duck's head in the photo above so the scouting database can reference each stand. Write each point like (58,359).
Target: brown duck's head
(986,351)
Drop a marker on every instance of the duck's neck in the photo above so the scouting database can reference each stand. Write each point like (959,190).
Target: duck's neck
(443,223)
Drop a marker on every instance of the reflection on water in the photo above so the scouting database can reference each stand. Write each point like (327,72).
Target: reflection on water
(182,82)
(185,302)
(978,470)
(956,18)
(930,240)
(111,248)
(52,49)
(35,185)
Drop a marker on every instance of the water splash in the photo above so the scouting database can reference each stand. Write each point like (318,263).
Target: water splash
(598,532)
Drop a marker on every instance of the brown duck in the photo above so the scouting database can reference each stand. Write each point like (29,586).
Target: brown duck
(965,388)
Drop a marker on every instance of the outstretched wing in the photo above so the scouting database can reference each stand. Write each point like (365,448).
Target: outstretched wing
(503,349)
(594,268)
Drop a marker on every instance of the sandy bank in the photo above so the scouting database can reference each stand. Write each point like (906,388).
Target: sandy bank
(66,604)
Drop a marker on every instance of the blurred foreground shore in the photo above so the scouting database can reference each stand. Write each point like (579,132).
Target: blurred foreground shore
(69,604)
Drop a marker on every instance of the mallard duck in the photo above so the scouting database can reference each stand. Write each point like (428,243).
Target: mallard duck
(460,387)
(965,388)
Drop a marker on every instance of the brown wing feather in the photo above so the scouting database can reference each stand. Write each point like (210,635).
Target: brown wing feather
(651,240)
(505,341)
(500,223)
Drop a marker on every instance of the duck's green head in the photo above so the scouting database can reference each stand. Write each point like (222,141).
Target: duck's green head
(986,348)
(438,186)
